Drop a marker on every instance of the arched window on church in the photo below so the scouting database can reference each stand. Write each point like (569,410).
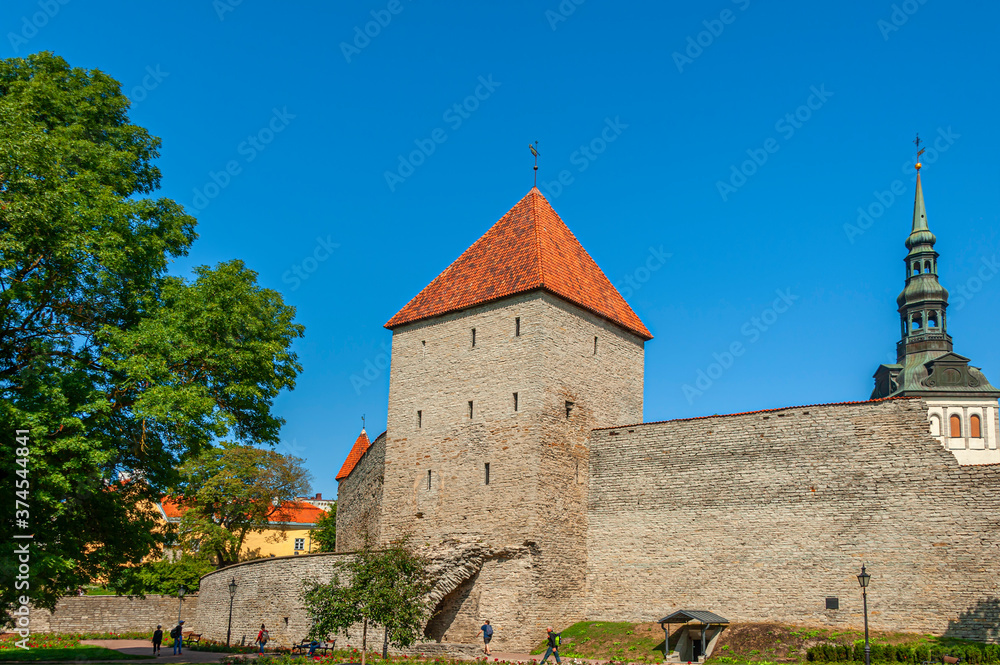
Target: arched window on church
(932,320)
(916,267)
(975,428)
(916,323)
(956,427)
(935,426)
(927,267)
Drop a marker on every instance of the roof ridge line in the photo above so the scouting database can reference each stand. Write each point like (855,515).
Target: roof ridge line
(538,239)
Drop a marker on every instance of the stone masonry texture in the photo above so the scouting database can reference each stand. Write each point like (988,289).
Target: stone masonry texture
(760,517)
(359,500)
(84,614)
(534,504)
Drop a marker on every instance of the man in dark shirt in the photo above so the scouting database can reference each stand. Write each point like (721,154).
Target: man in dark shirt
(553,646)
(157,639)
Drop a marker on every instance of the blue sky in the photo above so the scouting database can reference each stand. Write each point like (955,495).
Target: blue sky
(280,122)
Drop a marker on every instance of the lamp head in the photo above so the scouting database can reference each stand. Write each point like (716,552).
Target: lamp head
(232,587)
(181,591)
(864,578)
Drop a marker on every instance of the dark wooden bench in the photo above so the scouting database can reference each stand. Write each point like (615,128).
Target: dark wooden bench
(305,645)
(191,637)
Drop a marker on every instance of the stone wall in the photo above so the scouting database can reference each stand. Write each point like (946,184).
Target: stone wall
(82,614)
(359,500)
(761,516)
(436,450)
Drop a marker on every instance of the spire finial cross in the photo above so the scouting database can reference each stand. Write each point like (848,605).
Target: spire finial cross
(362,421)
(917,141)
(534,151)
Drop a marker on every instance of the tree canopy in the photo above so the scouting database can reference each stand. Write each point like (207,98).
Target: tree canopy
(325,533)
(233,491)
(386,587)
(119,371)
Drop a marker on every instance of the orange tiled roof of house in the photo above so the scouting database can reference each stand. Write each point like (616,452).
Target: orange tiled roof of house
(359,448)
(292,512)
(530,248)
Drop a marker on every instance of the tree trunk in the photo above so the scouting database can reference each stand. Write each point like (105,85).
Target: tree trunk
(364,639)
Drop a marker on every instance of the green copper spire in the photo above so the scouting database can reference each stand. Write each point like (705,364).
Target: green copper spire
(921,234)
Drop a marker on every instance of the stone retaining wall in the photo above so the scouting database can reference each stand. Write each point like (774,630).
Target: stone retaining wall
(84,614)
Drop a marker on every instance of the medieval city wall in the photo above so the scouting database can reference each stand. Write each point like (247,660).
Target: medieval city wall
(359,500)
(761,516)
(85,614)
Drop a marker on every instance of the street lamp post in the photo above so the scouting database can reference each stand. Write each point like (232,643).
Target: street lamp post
(180,601)
(863,580)
(232,594)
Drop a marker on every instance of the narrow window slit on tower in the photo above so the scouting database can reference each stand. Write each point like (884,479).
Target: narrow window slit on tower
(595,346)
(487,468)
(515,401)
(569,407)
(420,418)
(470,409)
(517,326)
(428,479)
(473,337)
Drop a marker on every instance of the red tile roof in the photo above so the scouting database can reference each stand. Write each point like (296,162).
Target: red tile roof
(530,248)
(295,512)
(360,446)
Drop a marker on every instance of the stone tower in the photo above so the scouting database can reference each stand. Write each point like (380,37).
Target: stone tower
(962,403)
(500,369)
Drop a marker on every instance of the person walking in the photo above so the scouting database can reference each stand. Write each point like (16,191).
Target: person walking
(553,646)
(262,637)
(487,630)
(177,633)
(157,639)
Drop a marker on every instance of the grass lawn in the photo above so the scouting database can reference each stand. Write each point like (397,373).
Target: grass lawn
(78,653)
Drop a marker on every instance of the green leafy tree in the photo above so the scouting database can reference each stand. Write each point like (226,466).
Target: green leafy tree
(385,587)
(166,576)
(119,371)
(325,533)
(232,491)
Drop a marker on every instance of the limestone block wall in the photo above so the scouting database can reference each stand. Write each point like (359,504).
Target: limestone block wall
(359,500)
(761,516)
(268,591)
(79,614)
(437,447)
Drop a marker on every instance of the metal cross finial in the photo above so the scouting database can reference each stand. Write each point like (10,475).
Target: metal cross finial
(917,143)
(534,151)
(362,421)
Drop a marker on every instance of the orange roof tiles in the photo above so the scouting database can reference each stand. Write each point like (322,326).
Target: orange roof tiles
(360,446)
(530,248)
(293,512)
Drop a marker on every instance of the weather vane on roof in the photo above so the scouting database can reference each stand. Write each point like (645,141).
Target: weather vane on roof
(362,421)
(917,143)
(534,151)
